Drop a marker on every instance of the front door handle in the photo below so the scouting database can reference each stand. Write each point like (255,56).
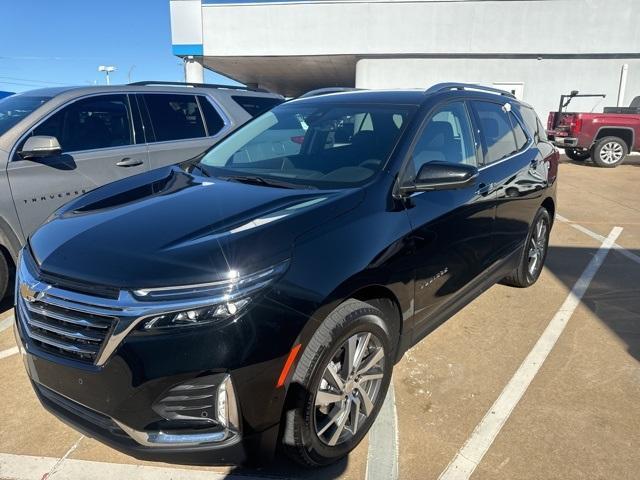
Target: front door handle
(129,162)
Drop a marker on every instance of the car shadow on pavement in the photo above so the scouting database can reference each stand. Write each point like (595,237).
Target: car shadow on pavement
(613,295)
(284,468)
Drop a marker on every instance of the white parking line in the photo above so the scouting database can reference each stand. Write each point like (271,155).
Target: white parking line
(8,352)
(471,454)
(6,323)
(26,467)
(382,458)
(620,249)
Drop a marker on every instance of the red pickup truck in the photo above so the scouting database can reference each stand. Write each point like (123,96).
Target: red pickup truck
(605,137)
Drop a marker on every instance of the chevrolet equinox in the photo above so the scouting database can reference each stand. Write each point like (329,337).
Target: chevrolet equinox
(257,297)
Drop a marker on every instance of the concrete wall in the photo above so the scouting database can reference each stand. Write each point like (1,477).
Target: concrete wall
(544,80)
(404,27)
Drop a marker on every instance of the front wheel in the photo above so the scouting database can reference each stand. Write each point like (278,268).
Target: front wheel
(577,155)
(339,385)
(609,152)
(534,253)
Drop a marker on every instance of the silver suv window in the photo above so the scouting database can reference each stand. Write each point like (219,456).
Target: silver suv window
(15,108)
(174,116)
(100,121)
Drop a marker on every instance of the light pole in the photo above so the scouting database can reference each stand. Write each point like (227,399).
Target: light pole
(129,74)
(107,69)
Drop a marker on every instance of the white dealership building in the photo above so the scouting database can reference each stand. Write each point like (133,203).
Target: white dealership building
(539,49)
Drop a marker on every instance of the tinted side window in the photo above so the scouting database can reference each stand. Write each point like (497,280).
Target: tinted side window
(542,133)
(495,126)
(255,106)
(530,119)
(211,116)
(174,117)
(518,131)
(97,122)
(447,137)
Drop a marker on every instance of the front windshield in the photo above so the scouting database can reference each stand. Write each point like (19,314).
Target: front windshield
(321,146)
(16,107)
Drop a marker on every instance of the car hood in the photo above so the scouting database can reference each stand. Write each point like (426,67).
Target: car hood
(168,227)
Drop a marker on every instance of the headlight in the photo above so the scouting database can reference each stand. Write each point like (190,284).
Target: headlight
(212,302)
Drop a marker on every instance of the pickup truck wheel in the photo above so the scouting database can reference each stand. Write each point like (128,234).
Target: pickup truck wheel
(4,275)
(339,385)
(577,155)
(609,152)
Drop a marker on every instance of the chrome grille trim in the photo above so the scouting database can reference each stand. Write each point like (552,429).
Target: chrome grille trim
(63,331)
(66,318)
(81,345)
(63,345)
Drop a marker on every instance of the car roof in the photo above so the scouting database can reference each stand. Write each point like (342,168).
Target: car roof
(73,91)
(401,97)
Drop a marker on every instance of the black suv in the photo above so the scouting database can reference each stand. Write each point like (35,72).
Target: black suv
(260,294)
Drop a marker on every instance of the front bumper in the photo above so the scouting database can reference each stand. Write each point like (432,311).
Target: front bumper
(110,404)
(93,424)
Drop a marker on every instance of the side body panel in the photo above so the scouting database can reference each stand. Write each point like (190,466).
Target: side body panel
(41,187)
(11,237)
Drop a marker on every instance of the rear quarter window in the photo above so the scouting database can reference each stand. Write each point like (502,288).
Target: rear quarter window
(533,123)
(255,106)
(214,121)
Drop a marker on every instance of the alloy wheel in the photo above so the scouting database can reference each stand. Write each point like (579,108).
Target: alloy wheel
(349,388)
(537,247)
(611,152)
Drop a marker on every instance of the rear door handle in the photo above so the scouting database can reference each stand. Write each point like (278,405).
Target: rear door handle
(129,162)
(484,188)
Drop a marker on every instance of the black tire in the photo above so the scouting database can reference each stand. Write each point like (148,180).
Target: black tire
(577,155)
(5,275)
(523,276)
(300,440)
(609,152)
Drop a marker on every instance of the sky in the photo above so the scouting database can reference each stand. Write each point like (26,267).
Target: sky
(62,42)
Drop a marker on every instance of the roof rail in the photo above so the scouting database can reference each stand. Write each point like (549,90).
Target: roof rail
(327,90)
(198,85)
(441,87)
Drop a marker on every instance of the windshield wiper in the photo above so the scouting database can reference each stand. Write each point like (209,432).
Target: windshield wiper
(268,182)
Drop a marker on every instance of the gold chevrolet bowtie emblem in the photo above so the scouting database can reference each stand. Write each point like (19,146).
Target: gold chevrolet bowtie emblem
(29,292)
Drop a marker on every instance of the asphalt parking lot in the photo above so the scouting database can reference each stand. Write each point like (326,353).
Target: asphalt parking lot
(579,416)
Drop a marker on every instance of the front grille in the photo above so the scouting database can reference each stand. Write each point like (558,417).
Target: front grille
(62,327)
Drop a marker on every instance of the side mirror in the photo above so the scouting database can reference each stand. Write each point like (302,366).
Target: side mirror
(442,176)
(40,146)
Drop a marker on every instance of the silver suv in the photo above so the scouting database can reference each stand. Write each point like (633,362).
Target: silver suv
(58,143)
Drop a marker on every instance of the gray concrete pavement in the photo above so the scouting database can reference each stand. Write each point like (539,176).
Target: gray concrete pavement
(579,418)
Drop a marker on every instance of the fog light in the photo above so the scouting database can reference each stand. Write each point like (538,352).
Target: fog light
(201,402)
(227,410)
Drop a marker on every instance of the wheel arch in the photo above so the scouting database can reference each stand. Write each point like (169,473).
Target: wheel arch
(383,298)
(550,205)
(626,134)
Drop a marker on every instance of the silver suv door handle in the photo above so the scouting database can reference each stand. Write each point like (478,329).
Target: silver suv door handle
(129,162)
